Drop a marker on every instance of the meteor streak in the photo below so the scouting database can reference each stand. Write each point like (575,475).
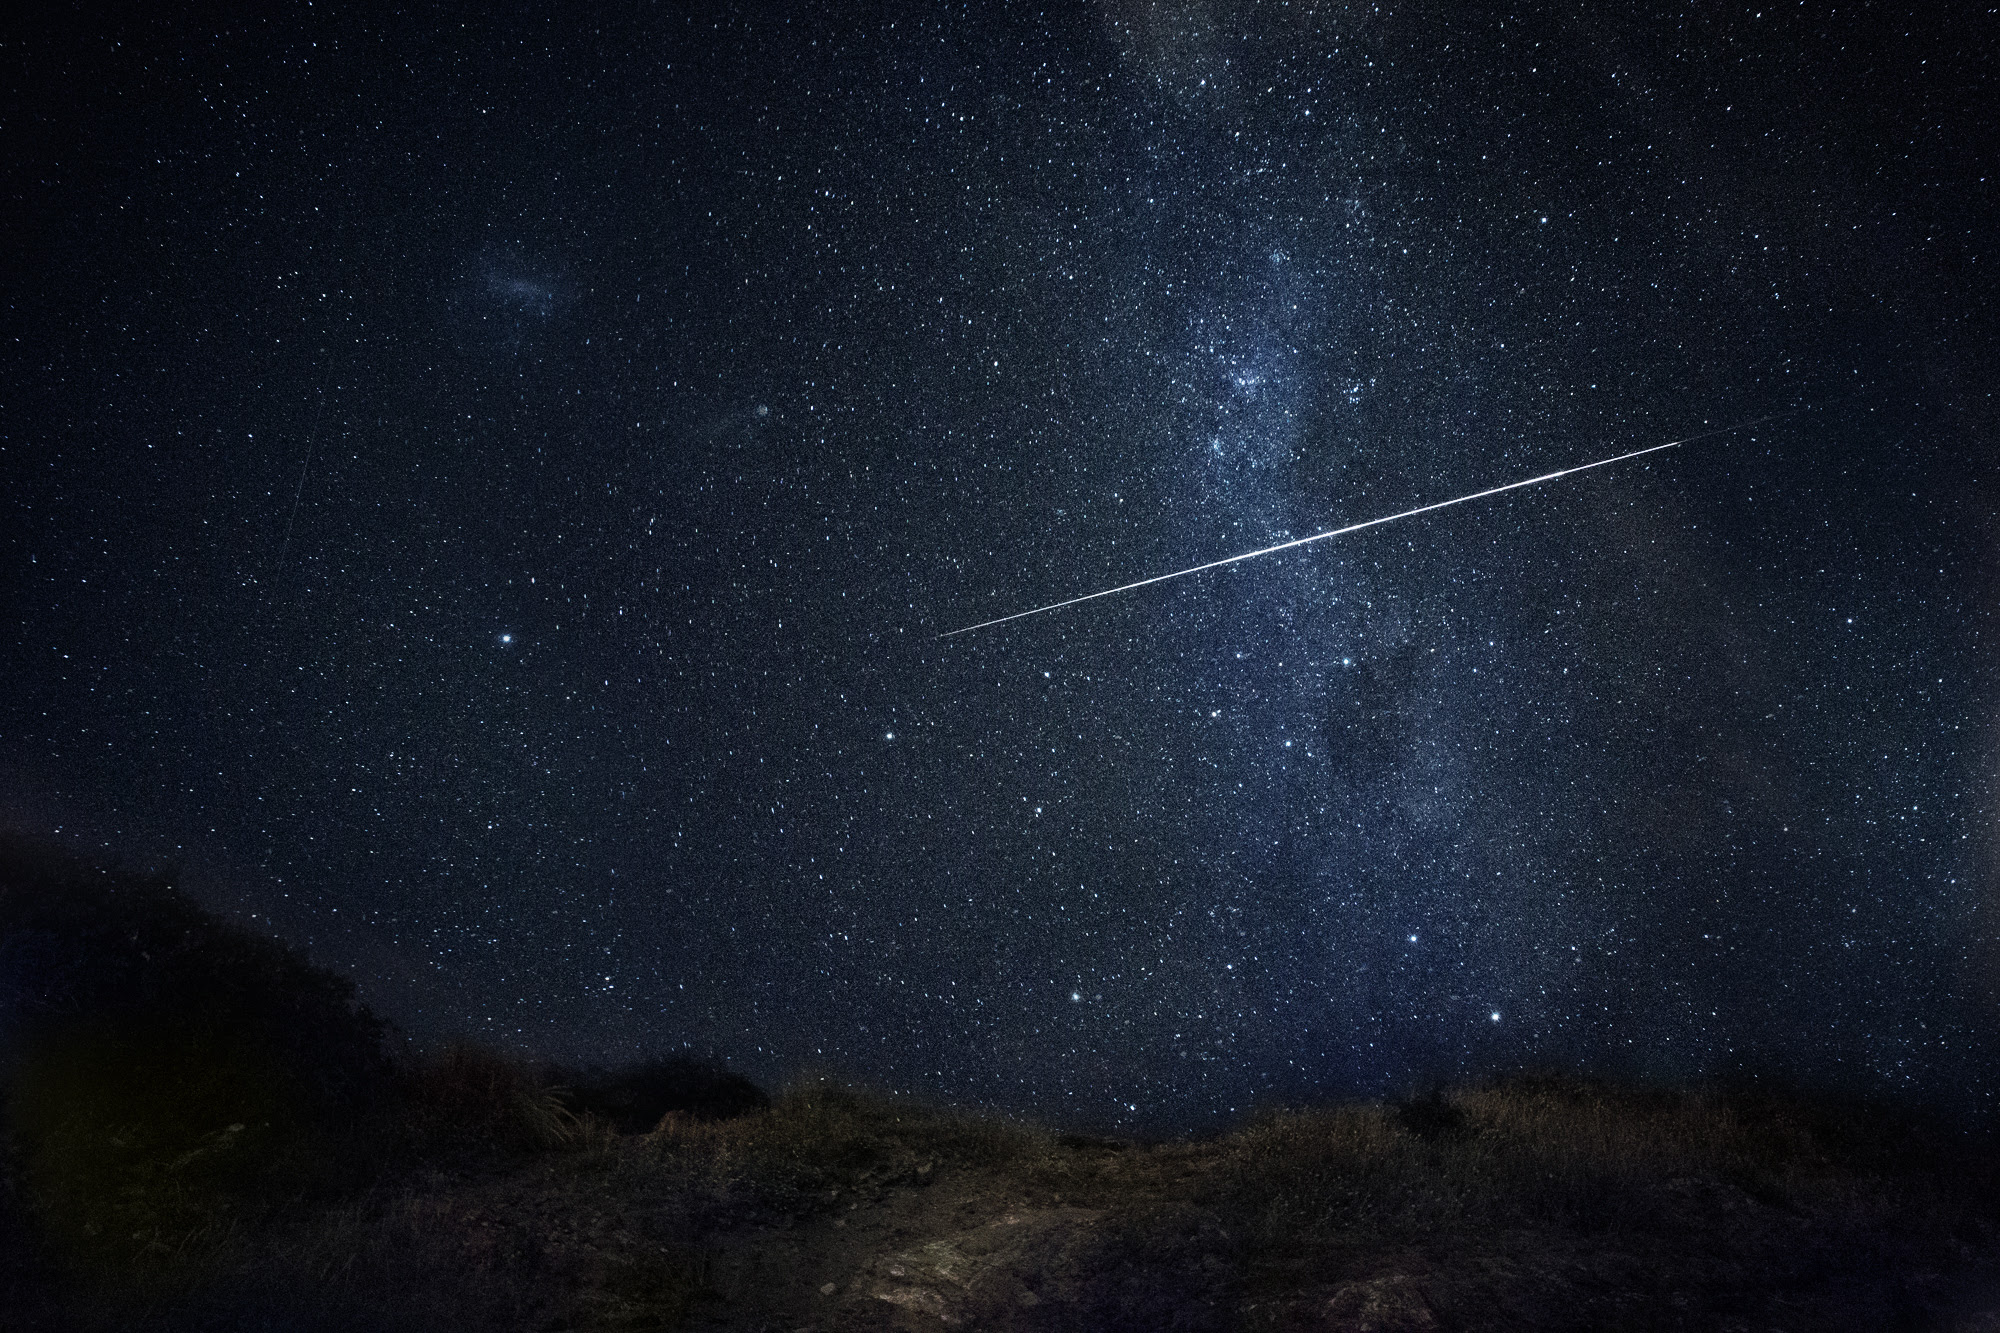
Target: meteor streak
(1371,523)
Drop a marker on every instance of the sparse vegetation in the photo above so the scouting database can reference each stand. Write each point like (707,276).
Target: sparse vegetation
(175,1163)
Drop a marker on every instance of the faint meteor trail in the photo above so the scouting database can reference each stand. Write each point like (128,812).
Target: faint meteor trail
(1370,523)
(312,443)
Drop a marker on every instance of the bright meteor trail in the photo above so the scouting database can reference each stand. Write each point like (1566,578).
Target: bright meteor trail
(1371,523)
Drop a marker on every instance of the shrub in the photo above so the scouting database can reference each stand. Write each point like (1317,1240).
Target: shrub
(467,1096)
(635,1098)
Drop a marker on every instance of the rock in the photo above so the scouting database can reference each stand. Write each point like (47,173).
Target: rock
(978,1275)
(1394,1304)
(1063,1269)
(924,1301)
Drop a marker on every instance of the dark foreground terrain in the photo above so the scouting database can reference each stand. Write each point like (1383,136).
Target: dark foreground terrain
(204,1133)
(1532,1204)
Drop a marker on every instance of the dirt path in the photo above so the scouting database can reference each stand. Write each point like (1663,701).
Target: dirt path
(950,1247)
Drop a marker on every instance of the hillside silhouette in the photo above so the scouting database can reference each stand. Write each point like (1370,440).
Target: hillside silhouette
(205,1131)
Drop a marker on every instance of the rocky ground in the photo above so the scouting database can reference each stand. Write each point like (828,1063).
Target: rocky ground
(1543,1206)
(1156,1237)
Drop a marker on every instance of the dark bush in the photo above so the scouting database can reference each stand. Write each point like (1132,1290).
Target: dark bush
(1431,1117)
(155,1060)
(635,1098)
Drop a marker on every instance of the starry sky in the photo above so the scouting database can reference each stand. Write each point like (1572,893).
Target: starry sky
(485,487)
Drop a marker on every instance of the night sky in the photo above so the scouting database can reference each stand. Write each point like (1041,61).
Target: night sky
(483,493)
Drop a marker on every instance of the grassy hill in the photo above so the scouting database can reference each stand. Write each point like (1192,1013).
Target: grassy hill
(206,1133)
